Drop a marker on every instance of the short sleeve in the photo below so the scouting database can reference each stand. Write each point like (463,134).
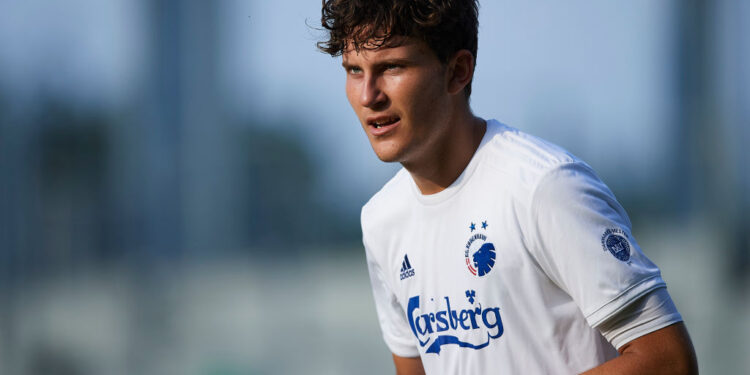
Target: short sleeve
(391,316)
(649,313)
(582,240)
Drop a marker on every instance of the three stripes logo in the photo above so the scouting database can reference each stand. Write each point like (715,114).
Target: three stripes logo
(406,270)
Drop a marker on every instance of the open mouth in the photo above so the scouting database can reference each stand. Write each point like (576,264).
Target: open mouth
(383,125)
(384,122)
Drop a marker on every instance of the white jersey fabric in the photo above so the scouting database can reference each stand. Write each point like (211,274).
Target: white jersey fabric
(511,269)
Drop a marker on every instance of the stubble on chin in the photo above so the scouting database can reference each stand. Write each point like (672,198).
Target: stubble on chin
(387,153)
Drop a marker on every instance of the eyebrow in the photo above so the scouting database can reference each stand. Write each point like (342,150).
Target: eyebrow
(387,61)
(395,61)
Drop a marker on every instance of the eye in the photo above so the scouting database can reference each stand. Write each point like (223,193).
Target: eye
(353,70)
(392,67)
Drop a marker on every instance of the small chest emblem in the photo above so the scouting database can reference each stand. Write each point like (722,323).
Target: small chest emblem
(479,252)
(616,242)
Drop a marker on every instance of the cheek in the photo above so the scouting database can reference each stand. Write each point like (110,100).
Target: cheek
(427,97)
(353,89)
(350,93)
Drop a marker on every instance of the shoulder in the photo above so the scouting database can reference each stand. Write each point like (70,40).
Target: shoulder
(523,161)
(511,148)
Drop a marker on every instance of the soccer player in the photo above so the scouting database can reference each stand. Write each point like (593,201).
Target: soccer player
(490,251)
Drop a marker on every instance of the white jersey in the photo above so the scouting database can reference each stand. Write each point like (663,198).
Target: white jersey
(511,269)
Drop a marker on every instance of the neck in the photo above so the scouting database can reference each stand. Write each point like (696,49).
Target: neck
(450,155)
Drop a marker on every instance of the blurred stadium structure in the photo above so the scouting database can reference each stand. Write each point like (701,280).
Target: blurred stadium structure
(180,180)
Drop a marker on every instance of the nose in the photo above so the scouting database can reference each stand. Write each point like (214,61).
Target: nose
(371,95)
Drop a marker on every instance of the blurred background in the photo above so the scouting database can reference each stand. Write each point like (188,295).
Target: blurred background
(180,181)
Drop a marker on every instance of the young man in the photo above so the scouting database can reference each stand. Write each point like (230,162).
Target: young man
(491,251)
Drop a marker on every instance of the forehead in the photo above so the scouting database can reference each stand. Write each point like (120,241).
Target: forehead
(397,48)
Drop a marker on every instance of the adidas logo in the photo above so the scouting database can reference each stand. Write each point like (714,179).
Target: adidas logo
(406,270)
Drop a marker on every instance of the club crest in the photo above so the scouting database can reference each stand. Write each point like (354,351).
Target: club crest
(479,252)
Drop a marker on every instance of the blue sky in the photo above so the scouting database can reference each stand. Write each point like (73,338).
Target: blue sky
(588,76)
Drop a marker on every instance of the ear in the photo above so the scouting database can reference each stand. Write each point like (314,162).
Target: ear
(460,71)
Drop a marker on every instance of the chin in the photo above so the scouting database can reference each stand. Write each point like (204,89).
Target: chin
(387,154)
(387,157)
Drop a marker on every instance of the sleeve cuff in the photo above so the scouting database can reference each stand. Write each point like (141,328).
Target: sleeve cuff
(400,348)
(649,313)
(645,329)
(610,308)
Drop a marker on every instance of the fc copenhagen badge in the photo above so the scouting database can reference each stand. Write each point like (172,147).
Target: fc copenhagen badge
(616,242)
(479,253)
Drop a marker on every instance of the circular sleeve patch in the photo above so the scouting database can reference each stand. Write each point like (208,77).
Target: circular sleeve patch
(616,242)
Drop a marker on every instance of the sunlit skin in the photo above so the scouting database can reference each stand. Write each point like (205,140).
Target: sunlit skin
(427,124)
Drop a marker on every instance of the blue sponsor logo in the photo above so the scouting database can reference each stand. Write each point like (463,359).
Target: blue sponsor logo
(441,327)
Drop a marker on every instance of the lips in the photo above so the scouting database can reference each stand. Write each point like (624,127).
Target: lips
(380,125)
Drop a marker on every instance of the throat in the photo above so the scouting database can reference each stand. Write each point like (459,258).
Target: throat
(447,161)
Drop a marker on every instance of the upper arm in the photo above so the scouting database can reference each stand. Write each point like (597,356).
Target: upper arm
(665,351)
(408,365)
(396,330)
(581,238)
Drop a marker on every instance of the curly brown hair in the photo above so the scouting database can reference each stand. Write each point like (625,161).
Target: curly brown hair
(446,26)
